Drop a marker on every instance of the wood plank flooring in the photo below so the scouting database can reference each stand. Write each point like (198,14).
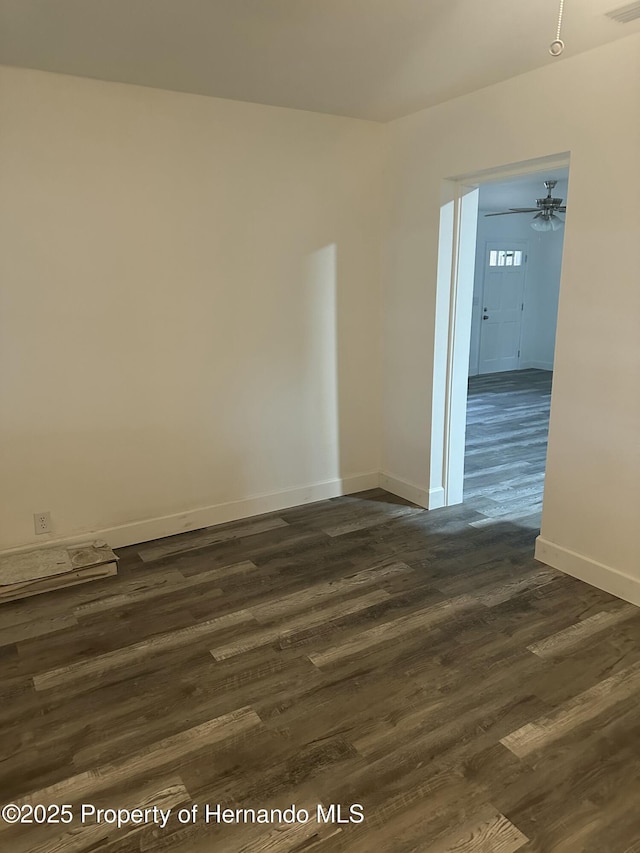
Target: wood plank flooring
(506,444)
(355,652)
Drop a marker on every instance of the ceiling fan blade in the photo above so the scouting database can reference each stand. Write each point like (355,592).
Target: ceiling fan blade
(507,212)
(546,207)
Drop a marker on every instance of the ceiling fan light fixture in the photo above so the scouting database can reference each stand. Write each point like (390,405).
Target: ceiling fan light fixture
(546,222)
(541,223)
(545,218)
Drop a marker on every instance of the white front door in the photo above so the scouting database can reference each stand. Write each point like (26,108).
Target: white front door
(502,305)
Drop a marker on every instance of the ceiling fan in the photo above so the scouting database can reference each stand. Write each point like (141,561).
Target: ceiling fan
(546,210)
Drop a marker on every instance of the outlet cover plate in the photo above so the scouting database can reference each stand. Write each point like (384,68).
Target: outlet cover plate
(42,522)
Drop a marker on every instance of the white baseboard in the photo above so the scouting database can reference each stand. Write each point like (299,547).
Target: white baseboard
(585,569)
(436,498)
(169,525)
(537,365)
(408,491)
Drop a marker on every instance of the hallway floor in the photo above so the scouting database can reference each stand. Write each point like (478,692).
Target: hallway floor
(506,446)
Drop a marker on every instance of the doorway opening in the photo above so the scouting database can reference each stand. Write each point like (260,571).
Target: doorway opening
(498,287)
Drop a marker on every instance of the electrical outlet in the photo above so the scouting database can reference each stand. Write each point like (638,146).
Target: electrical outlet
(42,522)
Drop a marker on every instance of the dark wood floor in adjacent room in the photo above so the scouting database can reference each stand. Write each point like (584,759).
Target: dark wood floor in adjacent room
(359,650)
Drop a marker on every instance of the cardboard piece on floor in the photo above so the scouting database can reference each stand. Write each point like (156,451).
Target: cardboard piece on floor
(43,569)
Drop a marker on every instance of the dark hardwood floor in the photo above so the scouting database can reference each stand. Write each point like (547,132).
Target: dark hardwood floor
(506,445)
(356,651)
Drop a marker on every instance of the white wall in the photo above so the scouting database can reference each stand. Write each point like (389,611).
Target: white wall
(589,106)
(174,341)
(542,284)
(189,313)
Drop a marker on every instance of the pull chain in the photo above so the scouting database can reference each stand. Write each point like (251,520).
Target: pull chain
(556,47)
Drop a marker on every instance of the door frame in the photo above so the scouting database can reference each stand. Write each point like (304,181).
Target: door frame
(452,339)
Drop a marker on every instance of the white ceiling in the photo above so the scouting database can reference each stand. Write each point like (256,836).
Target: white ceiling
(522,191)
(373,59)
